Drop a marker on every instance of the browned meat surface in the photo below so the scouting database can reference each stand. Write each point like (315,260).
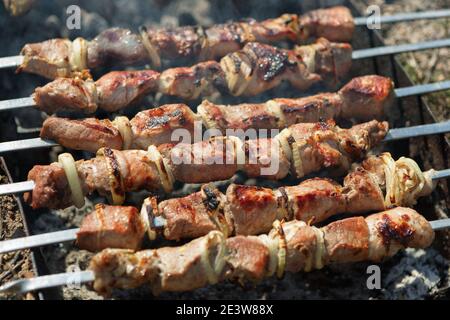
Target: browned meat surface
(205,161)
(122,88)
(115,45)
(156,126)
(295,245)
(334,24)
(132,167)
(175,43)
(250,209)
(88,134)
(67,94)
(111,227)
(325,145)
(367,97)
(50,58)
(331,61)
(204,79)
(259,67)
(51,189)
(194,215)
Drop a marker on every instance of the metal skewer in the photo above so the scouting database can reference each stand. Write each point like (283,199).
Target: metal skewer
(417,131)
(54,237)
(410,47)
(71,234)
(393,134)
(358,54)
(22,286)
(36,143)
(15,61)
(402,17)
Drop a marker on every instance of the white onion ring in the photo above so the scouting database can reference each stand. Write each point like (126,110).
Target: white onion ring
(123,125)
(68,163)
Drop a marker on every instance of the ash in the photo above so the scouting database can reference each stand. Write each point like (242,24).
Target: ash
(413,274)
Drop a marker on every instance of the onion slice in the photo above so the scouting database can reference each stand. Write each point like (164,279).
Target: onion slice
(151,50)
(213,271)
(78,55)
(68,163)
(275,109)
(116,184)
(320,248)
(207,121)
(123,125)
(282,248)
(165,174)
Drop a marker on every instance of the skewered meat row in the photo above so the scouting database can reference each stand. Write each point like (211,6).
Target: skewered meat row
(363,98)
(254,69)
(300,149)
(289,247)
(64,58)
(251,210)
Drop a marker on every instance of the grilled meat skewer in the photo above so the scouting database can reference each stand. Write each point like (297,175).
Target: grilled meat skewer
(300,149)
(253,69)
(293,247)
(64,58)
(363,98)
(251,210)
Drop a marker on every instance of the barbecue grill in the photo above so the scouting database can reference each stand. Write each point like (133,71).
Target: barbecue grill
(427,145)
